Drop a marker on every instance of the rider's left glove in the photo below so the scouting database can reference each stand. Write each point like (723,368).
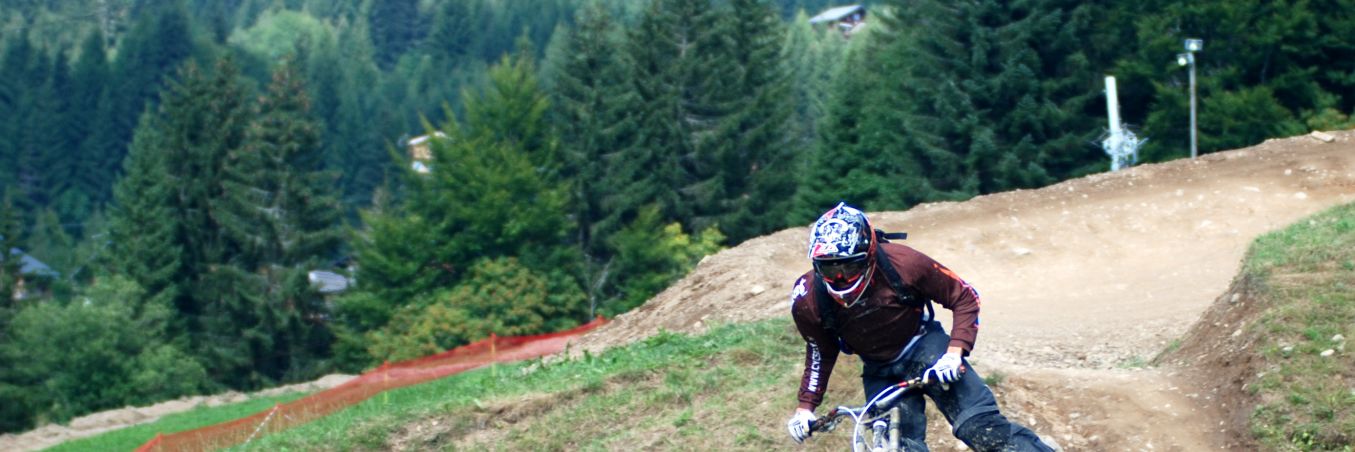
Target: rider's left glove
(799,424)
(946,370)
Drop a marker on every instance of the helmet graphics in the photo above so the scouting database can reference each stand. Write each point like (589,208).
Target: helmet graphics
(842,245)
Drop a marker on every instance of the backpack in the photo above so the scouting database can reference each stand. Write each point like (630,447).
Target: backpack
(906,295)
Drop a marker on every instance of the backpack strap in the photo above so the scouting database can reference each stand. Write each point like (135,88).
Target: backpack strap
(886,237)
(905,294)
(827,315)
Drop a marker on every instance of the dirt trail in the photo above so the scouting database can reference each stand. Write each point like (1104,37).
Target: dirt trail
(1079,280)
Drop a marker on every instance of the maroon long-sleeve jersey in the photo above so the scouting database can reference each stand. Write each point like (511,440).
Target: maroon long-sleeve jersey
(879,326)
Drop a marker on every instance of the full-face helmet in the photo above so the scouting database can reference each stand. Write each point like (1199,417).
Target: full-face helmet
(842,247)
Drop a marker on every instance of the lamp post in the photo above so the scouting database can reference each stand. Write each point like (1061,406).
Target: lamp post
(1188,59)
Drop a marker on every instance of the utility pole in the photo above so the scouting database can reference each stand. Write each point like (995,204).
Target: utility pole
(1188,59)
(1120,144)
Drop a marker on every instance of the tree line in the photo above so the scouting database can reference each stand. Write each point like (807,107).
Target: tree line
(183,166)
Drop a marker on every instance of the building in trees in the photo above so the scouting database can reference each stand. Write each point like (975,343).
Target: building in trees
(420,153)
(35,277)
(847,19)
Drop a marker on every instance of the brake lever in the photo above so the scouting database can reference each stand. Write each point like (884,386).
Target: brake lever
(826,423)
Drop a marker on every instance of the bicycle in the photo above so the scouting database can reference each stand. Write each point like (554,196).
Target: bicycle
(883,439)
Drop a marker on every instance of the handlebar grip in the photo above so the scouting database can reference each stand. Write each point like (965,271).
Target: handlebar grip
(824,423)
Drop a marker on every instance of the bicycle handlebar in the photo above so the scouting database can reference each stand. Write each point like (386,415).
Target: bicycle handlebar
(829,421)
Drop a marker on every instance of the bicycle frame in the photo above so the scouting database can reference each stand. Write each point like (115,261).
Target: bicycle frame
(861,416)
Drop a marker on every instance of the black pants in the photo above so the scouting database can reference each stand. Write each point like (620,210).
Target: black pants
(969,406)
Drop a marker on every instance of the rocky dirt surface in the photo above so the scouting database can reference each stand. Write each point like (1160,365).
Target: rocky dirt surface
(1082,282)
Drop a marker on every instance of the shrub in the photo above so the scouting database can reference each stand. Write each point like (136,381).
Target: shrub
(500,296)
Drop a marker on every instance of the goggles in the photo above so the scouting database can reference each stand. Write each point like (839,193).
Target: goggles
(842,273)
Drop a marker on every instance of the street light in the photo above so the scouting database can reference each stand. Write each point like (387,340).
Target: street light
(1188,59)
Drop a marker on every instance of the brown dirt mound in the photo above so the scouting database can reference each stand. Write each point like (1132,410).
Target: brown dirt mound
(1079,280)
(1221,347)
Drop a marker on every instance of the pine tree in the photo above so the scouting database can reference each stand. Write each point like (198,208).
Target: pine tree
(754,151)
(205,116)
(11,239)
(397,26)
(358,153)
(277,207)
(485,196)
(665,166)
(454,33)
(50,243)
(103,150)
(89,181)
(147,56)
(491,202)
(512,110)
(13,78)
(851,160)
(282,221)
(591,114)
(35,101)
(52,116)
(1007,109)
(201,118)
(144,241)
(813,58)
(507,120)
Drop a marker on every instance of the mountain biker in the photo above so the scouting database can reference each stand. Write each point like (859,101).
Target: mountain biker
(894,333)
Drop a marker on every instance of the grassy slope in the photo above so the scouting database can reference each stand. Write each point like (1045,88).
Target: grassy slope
(131,437)
(670,391)
(1307,276)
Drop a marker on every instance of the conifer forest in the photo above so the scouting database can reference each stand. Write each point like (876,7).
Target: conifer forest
(234,194)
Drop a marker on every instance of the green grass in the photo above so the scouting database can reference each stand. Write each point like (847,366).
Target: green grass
(1133,362)
(132,437)
(995,378)
(713,391)
(1306,276)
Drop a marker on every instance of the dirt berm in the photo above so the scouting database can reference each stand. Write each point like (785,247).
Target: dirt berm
(1082,283)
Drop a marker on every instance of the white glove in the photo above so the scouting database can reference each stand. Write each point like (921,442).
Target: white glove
(799,424)
(946,370)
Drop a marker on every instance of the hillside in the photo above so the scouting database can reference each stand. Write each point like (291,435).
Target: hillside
(1083,282)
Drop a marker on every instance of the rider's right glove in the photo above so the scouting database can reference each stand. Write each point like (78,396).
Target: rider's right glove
(799,424)
(946,370)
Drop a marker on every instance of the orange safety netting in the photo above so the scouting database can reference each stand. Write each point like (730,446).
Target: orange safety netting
(388,376)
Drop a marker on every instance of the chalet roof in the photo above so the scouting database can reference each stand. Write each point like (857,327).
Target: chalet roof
(28,265)
(836,14)
(328,282)
(421,139)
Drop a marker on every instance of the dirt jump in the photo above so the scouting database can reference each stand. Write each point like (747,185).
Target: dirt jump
(1082,283)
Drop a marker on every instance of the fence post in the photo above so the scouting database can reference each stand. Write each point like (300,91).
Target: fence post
(276,407)
(385,382)
(493,356)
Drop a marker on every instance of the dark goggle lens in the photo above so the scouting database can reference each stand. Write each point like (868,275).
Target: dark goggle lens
(841,272)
